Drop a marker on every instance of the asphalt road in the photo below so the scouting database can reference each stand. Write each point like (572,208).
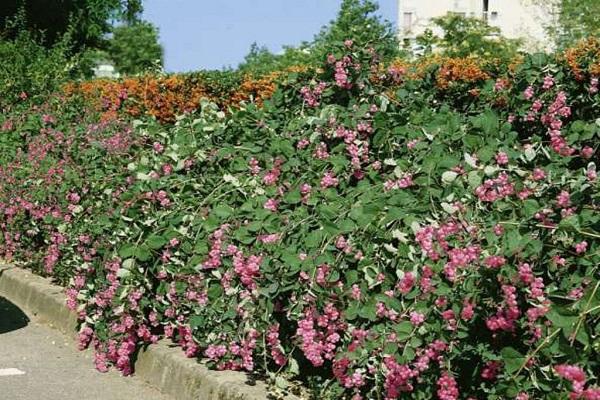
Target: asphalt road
(38,362)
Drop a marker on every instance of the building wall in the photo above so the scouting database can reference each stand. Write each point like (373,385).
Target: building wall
(516,18)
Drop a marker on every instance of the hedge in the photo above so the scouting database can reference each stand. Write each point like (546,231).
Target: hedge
(372,230)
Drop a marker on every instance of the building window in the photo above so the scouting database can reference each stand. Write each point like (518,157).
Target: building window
(408,21)
(486,8)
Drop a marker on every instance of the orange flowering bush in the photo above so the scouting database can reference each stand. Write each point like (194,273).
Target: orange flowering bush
(459,70)
(164,97)
(584,59)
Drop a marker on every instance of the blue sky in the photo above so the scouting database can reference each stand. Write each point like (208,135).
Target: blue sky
(211,34)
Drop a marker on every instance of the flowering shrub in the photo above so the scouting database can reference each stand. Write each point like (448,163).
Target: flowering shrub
(166,97)
(422,245)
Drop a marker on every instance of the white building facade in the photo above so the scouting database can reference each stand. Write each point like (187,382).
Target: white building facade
(516,18)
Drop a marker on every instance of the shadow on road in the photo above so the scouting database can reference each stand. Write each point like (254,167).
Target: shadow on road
(11,317)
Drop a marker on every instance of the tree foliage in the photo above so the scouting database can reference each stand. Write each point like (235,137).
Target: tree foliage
(88,20)
(468,36)
(356,19)
(27,68)
(573,20)
(135,48)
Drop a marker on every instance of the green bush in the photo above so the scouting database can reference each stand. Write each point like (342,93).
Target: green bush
(365,231)
(29,69)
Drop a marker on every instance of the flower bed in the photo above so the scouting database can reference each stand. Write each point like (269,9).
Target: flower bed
(372,235)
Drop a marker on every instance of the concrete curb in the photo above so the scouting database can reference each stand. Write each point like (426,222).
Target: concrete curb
(162,365)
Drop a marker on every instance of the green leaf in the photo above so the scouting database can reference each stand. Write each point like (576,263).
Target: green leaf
(142,253)
(512,359)
(155,241)
(223,211)
(127,251)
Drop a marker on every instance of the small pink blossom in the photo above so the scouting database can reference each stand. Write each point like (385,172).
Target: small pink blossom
(271,205)
(581,247)
(501,158)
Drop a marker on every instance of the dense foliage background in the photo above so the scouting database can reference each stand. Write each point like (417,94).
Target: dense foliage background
(360,226)
(372,229)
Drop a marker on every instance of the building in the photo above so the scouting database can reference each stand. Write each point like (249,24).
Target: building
(105,69)
(523,19)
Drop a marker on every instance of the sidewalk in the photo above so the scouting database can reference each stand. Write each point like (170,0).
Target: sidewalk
(38,362)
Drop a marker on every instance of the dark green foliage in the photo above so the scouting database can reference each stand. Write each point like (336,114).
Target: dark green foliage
(135,48)
(468,36)
(88,20)
(356,20)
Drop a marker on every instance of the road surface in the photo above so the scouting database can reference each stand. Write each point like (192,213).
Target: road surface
(39,362)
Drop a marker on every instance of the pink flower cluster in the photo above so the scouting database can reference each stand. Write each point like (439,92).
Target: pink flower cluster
(341,72)
(506,317)
(399,377)
(312,97)
(215,254)
(495,189)
(552,119)
(401,183)
(447,387)
(319,334)
(577,377)
(274,344)
(247,268)
(272,176)
(329,180)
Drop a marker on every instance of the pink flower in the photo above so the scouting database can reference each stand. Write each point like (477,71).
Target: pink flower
(494,261)
(468,310)
(587,152)
(491,370)
(254,167)
(356,293)
(73,198)
(267,239)
(548,82)
(495,189)
(538,174)
(574,374)
(329,180)
(501,158)
(591,174)
(411,144)
(499,85)
(447,387)
(167,169)
(159,148)
(416,318)
(581,247)
(401,183)
(498,230)
(302,144)
(271,205)
(563,199)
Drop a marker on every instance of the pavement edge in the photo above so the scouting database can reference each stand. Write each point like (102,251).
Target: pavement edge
(162,365)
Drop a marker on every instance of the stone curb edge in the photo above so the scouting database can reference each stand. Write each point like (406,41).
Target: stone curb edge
(162,365)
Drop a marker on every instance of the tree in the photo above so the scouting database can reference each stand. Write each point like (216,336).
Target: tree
(573,20)
(86,20)
(468,36)
(356,20)
(260,60)
(134,48)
